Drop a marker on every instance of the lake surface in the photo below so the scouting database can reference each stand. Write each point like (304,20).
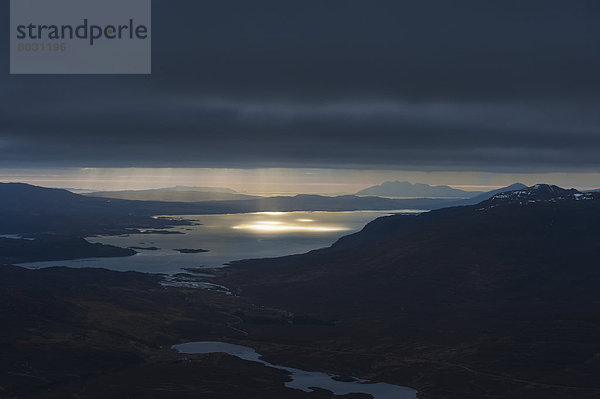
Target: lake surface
(228,238)
(303,380)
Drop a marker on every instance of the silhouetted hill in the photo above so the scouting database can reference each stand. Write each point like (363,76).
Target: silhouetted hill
(485,196)
(19,196)
(513,280)
(386,226)
(539,192)
(565,222)
(28,209)
(49,248)
(416,190)
(200,189)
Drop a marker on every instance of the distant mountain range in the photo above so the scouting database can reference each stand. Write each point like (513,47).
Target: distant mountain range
(482,197)
(198,189)
(405,189)
(175,194)
(507,287)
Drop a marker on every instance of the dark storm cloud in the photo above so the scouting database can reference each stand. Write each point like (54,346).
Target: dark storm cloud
(487,85)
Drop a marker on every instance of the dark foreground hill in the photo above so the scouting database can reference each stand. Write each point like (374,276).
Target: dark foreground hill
(94,333)
(52,247)
(27,209)
(507,289)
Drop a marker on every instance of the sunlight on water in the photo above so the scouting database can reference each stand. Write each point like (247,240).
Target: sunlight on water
(285,223)
(227,238)
(264,226)
(270,213)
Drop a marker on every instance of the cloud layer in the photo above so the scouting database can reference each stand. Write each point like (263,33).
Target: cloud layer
(462,85)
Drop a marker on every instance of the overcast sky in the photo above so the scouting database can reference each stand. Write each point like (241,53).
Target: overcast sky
(491,86)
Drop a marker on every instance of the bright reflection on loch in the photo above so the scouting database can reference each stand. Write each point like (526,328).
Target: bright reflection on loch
(227,238)
(270,213)
(274,226)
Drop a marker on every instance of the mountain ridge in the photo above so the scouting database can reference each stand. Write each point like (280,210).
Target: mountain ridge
(487,195)
(498,279)
(538,192)
(174,194)
(416,190)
